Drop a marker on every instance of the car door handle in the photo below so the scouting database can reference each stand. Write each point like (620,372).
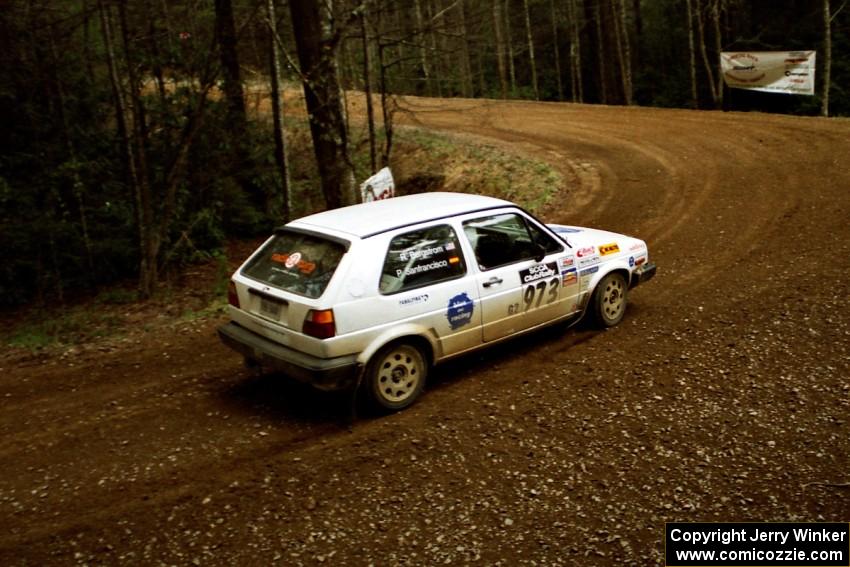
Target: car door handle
(492,281)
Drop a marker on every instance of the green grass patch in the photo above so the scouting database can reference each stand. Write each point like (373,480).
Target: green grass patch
(70,328)
(430,161)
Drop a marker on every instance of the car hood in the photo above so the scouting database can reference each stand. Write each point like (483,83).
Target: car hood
(579,237)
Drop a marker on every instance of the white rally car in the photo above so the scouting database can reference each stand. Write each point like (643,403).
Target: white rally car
(378,293)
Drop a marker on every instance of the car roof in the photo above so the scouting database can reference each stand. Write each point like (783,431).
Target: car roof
(375,217)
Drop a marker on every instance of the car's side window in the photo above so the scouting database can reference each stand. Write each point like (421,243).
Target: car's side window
(422,257)
(499,240)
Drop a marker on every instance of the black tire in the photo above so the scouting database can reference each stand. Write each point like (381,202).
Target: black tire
(395,376)
(608,305)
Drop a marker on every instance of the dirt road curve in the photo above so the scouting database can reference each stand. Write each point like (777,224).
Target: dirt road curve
(724,395)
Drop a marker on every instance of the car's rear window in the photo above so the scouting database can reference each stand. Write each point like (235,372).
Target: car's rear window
(300,263)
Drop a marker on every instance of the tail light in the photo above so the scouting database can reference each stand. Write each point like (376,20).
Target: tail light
(232,296)
(319,324)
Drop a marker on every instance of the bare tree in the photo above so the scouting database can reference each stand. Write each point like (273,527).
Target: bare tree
(316,39)
(624,55)
(692,54)
(77,183)
(367,90)
(531,59)
(423,48)
(144,213)
(557,49)
(827,58)
(715,81)
(718,48)
(154,219)
(510,45)
(601,61)
(225,29)
(500,46)
(243,163)
(466,79)
(576,87)
(280,154)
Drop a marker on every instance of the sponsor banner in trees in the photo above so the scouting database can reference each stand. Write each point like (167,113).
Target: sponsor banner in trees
(789,72)
(379,186)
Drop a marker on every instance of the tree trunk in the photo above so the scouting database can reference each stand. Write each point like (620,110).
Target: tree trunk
(576,87)
(386,113)
(147,269)
(385,110)
(479,69)
(500,47)
(638,29)
(87,55)
(557,49)
(225,29)
(277,116)
(433,11)
(316,56)
(827,58)
(77,182)
(367,89)
(531,60)
(168,30)
(423,52)
(243,163)
(718,45)
(466,81)
(692,55)
(511,67)
(158,73)
(403,60)
(140,142)
(600,55)
(624,53)
(709,68)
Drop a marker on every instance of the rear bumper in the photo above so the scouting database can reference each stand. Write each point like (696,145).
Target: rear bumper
(323,373)
(643,274)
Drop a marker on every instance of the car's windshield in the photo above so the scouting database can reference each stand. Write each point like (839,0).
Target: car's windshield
(296,262)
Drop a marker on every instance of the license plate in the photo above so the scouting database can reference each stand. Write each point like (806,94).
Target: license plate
(270,308)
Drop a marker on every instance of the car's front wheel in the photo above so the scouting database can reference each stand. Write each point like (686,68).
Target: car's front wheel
(396,375)
(608,305)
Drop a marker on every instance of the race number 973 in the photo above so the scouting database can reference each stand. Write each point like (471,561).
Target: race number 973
(534,294)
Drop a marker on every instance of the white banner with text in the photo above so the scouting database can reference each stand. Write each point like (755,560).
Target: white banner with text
(379,186)
(789,72)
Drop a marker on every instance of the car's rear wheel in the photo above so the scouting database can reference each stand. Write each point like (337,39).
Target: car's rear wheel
(396,375)
(609,300)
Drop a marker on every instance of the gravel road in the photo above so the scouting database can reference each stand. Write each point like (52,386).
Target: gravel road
(724,394)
